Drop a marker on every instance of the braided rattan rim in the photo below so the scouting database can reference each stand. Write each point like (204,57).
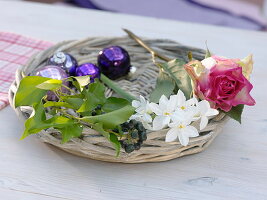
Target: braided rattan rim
(93,145)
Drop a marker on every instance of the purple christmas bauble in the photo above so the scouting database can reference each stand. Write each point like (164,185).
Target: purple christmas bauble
(54,72)
(64,60)
(88,69)
(114,62)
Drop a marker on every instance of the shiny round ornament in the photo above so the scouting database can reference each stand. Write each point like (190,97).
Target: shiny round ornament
(54,72)
(88,69)
(114,62)
(64,60)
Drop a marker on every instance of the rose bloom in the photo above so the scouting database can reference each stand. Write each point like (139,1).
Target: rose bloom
(221,81)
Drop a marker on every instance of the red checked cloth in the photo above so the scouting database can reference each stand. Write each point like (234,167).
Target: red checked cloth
(15,50)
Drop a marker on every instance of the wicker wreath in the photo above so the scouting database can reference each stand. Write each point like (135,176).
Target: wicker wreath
(93,145)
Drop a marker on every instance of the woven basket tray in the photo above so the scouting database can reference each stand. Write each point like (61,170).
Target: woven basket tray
(95,146)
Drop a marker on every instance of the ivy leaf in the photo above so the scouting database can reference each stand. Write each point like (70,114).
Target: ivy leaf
(79,81)
(114,103)
(111,84)
(76,103)
(58,104)
(110,137)
(27,93)
(94,95)
(164,86)
(236,112)
(175,70)
(68,132)
(116,144)
(51,84)
(111,119)
(36,122)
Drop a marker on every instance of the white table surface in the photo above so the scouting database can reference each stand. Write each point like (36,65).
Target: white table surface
(233,167)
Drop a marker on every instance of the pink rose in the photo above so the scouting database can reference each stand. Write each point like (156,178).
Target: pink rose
(221,81)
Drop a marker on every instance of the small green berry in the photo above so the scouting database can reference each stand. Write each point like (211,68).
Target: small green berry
(134,134)
(129,148)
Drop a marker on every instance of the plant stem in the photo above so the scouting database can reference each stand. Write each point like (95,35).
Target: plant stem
(111,84)
(148,48)
(71,90)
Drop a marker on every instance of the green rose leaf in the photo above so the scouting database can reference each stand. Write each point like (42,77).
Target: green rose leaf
(175,70)
(110,137)
(51,84)
(27,93)
(164,86)
(236,112)
(111,119)
(114,103)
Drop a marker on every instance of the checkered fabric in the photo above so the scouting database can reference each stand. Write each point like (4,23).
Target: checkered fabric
(15,50)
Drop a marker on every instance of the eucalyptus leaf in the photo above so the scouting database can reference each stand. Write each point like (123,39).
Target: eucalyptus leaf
(236,112)
(164,86)
(111,119)
(27,93)
(175,70)
(51,84)
(114,103)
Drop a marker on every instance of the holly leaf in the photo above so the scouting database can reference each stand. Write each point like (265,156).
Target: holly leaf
(236,112)
(175,70)
(111,119)
(114,103)
(27,93)
(110,137)
(51,84)
(164,86)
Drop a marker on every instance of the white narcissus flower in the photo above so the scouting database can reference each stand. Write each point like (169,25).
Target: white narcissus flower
(142,109)
(204,112)
(163,110)
(181,129)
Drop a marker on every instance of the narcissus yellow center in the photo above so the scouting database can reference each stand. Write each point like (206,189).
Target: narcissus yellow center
(181,126)
(183,107)
(166,113)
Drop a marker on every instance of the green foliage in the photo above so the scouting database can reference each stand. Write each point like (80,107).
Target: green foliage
(114,103)
(109,136)
(236,112)
(94,95)
(165,86)
(28,94)
(51,84)
(175,70)
(112,112)
(112,119)
(116,88)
